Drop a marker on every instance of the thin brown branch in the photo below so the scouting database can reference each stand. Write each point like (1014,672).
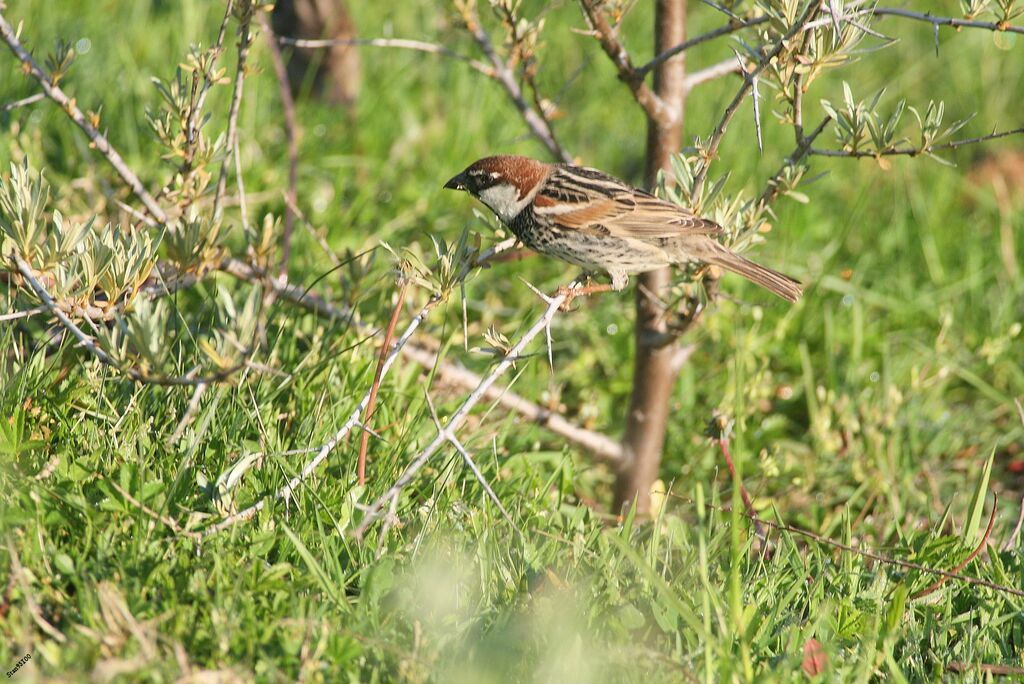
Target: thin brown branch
(244,42)
(916,151)
(536,121)
(773,187)
(284,87)
(723,444)
(932,588)
(69,106)
(652,104)
(666,55)
(398,43)
(711,151)
(375,387)
(986,668)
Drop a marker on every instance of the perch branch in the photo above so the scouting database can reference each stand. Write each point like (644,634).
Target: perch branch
(244,41)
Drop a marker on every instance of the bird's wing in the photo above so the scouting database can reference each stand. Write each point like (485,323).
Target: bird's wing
(593,202)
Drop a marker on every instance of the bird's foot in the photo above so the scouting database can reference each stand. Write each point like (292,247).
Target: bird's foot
(571,293)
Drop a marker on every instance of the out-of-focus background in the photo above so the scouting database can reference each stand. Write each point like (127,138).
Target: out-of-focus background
(866,412)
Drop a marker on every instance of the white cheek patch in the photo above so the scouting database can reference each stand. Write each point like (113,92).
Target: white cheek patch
(503,200)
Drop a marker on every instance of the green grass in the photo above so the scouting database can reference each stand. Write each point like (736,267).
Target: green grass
(864,413)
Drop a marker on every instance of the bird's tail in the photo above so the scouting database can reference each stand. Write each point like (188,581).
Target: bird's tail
(773,281)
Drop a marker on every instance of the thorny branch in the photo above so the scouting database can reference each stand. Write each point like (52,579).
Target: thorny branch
(711,151)
(915,151)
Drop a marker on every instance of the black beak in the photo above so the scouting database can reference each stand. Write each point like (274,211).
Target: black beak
(457,183)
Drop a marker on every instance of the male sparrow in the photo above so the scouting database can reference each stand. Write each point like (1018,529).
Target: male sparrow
(593,220)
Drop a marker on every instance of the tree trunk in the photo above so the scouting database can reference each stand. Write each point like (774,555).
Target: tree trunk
(655,369)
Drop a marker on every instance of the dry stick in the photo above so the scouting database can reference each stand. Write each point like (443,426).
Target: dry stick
(24,102)
(98,140)
(916,151)
(748,82)
(537,122)
(168,521)
(987,668)
(28,313)
(244,41)
(288,106)
(603,448)
(353,420)
(866,553)
(715,71)
(399,43)
(932,588)
(372,403)
(373,511)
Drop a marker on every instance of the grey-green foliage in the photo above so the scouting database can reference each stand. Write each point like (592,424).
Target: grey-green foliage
(82,265)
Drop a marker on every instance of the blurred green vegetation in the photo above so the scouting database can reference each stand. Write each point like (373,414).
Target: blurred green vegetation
(865,413)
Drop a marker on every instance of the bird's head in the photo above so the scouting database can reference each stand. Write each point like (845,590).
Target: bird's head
(505,183)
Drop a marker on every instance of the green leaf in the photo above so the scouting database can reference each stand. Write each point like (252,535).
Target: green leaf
(977,507)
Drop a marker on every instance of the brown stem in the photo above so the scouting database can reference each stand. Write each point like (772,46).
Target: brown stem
(655,370)
(372,403)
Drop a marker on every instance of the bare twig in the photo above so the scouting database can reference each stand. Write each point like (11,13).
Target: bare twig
(715,71)
(373,511)
(986,668)
(666,55)
(1011,541)
(1000,27)
(244,42)
(536,121)
(711,150)
(169,522)
(98,140)
(723,444)
(398,43)
(372,403)
(600,446)
(288,107)
(23,102)
(28,313)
